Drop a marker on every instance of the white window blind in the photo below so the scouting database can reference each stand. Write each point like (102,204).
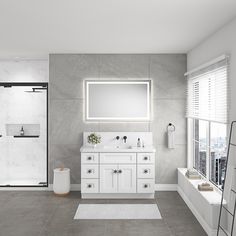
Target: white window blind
(207,93)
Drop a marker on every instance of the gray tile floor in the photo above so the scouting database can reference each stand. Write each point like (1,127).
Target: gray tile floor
(44,214)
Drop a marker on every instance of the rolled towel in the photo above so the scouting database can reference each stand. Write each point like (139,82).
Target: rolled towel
(195,176)
(192,172)
(205,188)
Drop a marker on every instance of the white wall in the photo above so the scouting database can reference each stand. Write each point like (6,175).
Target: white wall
(222,41)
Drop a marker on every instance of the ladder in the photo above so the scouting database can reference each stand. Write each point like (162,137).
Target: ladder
(231,190)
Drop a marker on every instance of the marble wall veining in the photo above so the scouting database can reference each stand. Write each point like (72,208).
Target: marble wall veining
(21,70)
(66,75)
(23,161)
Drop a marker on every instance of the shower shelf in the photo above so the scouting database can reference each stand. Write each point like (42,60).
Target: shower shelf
(26,136)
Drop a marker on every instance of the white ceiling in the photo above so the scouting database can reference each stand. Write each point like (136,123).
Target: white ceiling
(39,27)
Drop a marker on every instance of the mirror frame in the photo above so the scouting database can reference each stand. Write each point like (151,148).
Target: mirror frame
(113,119)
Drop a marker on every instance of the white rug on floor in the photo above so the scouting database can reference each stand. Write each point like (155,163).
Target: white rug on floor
(117,211)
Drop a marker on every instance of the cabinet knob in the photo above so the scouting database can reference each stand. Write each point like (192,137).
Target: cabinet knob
(89,158)
(115,171)
(145,185)
(89,185)
(89,171)
(145,158)
(145,171)
(119,171)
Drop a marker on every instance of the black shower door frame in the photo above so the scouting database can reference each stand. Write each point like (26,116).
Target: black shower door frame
(43,84)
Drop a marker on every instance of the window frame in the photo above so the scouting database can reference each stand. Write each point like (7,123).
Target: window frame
(191,149)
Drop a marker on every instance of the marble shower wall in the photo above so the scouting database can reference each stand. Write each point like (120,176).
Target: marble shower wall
(66,75)
(23,161)
(20,70)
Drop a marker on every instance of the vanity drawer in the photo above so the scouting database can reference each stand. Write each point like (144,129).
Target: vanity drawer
(117,158)
(146,158)
(146,171)
(89,186)
(146,186)
(89,171)
(89,158)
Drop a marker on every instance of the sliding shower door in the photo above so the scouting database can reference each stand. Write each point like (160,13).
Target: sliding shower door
(23,134)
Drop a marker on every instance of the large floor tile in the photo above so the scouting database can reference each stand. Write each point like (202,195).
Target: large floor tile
(169,111)
(124,66)
(49,215)
(167,73)
(167,162)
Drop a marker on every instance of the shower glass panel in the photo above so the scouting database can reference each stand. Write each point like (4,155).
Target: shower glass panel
(23,134)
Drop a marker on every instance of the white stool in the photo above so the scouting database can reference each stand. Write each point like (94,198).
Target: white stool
(61,181)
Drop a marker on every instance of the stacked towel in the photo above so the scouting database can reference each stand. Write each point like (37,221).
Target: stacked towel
(192,171)
(205,187)
(192,174)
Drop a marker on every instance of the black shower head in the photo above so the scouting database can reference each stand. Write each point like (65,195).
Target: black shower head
(35,90)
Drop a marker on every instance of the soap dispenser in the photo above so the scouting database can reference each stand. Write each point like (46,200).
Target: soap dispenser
(139,143)
(22,132)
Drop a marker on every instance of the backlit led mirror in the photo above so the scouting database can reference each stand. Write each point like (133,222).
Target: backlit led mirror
(117,100)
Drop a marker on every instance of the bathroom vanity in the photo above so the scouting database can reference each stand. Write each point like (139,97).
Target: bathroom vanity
(117,168)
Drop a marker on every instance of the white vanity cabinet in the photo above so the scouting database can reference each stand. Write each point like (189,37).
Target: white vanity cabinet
(117,178)
(117,175)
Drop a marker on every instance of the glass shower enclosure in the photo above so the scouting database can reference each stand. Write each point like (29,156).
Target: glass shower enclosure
(23,134)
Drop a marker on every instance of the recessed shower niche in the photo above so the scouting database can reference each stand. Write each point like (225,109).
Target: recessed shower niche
(23,134)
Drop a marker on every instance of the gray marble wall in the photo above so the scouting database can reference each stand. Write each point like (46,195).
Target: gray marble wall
(67,72)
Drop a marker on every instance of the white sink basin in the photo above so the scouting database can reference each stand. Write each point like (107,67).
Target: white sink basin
(117,147)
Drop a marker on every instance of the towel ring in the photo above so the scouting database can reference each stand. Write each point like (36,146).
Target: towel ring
(170,127)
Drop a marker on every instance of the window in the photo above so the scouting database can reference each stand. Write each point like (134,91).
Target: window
(218,153)
(207,109)
(209,149)
(200,145)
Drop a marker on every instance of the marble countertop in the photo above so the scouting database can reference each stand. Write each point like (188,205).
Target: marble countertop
(117,149)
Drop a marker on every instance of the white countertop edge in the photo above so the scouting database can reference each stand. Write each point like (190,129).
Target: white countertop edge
(121,150)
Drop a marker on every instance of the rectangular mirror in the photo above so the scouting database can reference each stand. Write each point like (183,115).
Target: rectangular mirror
(117,100)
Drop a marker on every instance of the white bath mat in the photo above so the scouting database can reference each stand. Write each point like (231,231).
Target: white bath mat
(117,211)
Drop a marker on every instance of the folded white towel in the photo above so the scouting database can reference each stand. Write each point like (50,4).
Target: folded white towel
(192,172)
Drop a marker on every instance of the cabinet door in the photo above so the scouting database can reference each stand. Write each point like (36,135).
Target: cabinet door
(127,178)
(108,178)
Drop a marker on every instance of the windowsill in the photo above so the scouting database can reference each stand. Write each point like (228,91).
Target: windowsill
(212,197)
(204,179)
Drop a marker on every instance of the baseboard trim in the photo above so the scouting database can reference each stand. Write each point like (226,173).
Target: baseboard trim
(25,189)
(203,223)
(165,187)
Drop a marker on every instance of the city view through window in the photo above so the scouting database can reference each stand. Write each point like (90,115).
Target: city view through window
(210,149)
